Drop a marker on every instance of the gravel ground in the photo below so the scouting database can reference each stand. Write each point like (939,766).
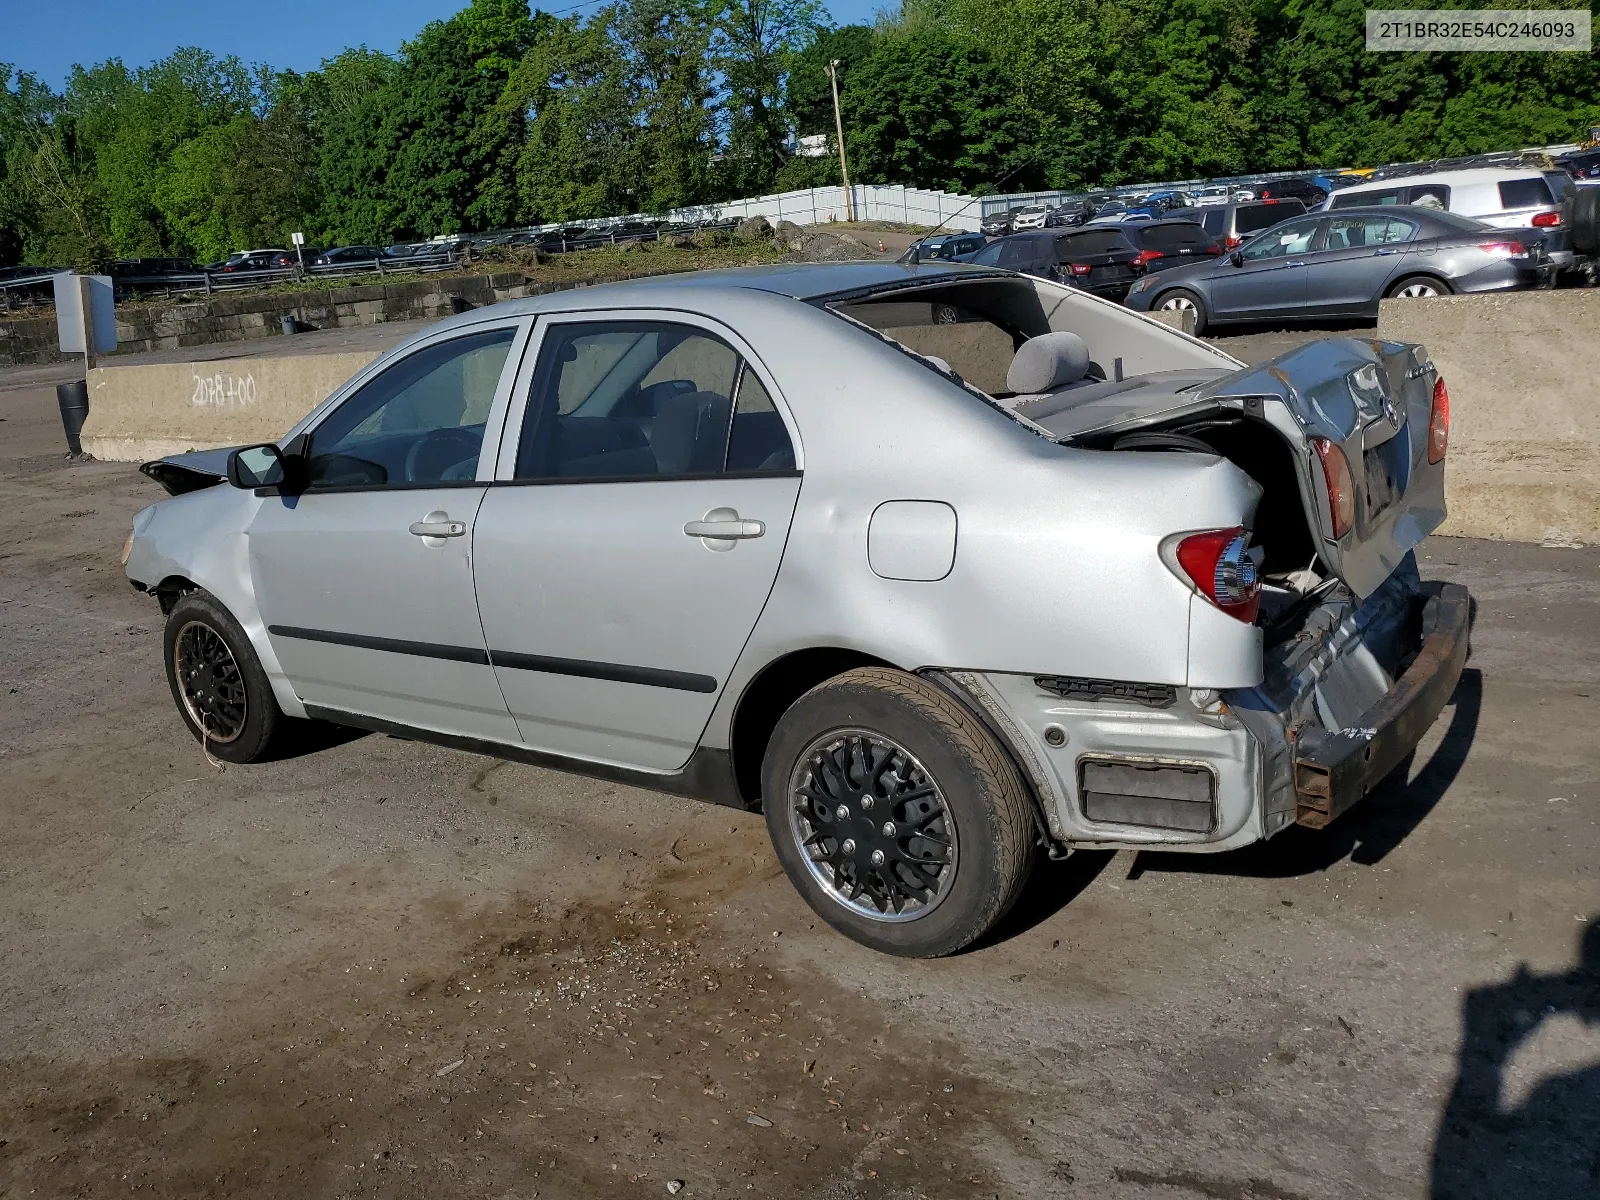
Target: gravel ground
(385,968)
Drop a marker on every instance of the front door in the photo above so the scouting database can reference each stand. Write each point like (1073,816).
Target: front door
(364,581)
(1270,278)
(1356,258)
(624,556)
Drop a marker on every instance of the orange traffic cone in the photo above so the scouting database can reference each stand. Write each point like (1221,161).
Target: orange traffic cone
(880,246)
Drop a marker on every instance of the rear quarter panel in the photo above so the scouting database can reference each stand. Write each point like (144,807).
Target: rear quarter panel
(1057,568)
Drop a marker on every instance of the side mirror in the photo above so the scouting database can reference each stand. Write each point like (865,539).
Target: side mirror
(1237,258)
(257,467)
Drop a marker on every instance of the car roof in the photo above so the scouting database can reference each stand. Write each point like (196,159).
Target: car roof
(797,281)
(1466,175)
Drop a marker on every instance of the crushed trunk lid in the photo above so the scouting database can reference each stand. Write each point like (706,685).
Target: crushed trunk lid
(1371,398)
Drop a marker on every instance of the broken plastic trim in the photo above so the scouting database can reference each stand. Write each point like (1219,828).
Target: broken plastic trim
(1071,687)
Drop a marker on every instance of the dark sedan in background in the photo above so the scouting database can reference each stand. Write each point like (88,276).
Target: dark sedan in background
(1094,260)
(1342,264)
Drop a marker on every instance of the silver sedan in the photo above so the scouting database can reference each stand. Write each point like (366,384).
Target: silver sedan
(941,567)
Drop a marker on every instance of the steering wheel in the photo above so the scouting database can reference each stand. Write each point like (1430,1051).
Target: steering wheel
(436,451)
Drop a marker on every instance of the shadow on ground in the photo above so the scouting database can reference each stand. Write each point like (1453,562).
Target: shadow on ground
(1548,1146)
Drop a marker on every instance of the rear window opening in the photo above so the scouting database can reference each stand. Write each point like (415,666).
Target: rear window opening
(1525,193)
(1254,218)
(1171,238)
(1101,241)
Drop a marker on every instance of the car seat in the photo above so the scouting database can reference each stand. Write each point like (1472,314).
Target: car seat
(690,433)
(1046,365)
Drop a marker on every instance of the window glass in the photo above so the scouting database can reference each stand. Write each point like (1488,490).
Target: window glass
(1248,218)
(989,256)
(1178,236)
(1215,222)
(1525,193)
(759,441)
(1293,238)
(1016,252)
(419,422)
(1382,196)
(1101,241)
(1430,195)
(628,400)
(1352,233)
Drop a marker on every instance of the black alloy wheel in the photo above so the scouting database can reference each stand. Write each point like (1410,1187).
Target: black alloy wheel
(210,683)
(875,828)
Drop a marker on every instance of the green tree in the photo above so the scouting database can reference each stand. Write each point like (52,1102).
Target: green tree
(930,110)
(754,47)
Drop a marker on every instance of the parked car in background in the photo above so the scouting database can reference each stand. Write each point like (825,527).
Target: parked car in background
(1103,262)
(246,261)
(1341,264)
(1209,626)
(996,224)
(345,255)
(1507,198)
(1585,164)
(1309,192)
(1163,201)
(132,272)
(943,247)
(1030,217)
(1233,222)
(1069,214)
(1219,194)
(1167,244)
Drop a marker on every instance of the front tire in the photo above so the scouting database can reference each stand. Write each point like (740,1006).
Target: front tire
(217,682)
(895,814)
(1182,300)
(1419,287)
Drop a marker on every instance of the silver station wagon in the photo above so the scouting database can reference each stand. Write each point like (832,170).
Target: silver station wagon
(940,567)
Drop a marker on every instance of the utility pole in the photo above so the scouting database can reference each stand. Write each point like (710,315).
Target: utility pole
(838,128)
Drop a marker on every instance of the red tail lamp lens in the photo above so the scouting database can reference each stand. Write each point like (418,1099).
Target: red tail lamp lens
(1341,487)
(1547,220)
(1234,242)
(1080,269)
(1145,257)
(1439,423)
(1219,564)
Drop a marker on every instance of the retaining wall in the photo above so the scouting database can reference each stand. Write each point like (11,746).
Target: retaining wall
(174,325)
(1523,371)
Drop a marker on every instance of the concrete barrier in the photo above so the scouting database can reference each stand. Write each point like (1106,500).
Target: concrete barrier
(140,412)
(1522,370)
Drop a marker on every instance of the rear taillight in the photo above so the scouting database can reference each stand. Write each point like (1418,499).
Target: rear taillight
(1504,249)
(1234,242)
(1340,485)
(1145,257)
(1079,269)
(1549,220)
(1219,564)
(1213,249)
(1439,423)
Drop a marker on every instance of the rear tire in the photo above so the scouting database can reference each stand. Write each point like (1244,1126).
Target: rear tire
(1182,300)
(895,814)
(217,682)
(1418,287)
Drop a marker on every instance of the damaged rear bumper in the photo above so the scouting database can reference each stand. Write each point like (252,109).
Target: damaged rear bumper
(1333,770)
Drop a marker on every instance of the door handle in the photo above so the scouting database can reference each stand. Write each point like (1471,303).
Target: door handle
(438,525)
(1376,252)
(1295,263)
(723,527)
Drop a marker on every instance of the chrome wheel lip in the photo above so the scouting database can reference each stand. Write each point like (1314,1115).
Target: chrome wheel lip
(817,865)
(185,650)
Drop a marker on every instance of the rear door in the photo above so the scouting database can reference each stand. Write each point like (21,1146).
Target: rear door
(641,505)
(1269,278)
(1353,260)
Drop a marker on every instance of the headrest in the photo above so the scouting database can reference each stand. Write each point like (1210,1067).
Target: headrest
(690,428)
(1047,362)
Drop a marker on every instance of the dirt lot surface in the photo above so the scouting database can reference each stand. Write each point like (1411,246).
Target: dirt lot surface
(385,969)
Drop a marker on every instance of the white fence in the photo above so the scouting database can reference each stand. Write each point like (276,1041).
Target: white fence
(873,202)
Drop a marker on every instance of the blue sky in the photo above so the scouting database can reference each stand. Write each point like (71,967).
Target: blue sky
(47,36)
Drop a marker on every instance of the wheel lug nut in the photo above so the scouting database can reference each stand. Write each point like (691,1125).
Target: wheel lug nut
(877,858)
(866,800)
(849,846)
(842,812)
(888,829)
